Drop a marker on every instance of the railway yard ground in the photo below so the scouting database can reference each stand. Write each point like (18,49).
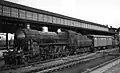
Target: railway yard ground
(72,64)
(97,65)
(113,66)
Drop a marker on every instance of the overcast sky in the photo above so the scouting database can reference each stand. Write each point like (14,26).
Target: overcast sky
(106,12)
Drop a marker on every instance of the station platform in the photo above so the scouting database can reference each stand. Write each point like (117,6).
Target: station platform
(113,67)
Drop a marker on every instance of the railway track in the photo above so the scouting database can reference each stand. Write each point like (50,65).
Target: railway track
(86,66)
(54,65)
(65,65)
(94,69)
(7,67)
(68,65)
(42,67)
(113,67)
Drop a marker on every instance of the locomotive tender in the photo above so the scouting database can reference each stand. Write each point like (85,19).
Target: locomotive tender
(32,44)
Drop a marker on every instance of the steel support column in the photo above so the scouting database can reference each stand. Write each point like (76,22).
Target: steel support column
(0,27)
(7,42)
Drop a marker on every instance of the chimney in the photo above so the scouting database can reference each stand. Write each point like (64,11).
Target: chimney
(110,26)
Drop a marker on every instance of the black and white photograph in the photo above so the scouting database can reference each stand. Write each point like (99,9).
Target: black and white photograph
(59,36)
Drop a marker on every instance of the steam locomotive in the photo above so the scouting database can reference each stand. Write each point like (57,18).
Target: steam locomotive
(31,44)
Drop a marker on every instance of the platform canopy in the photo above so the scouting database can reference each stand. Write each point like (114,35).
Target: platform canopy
(15,16)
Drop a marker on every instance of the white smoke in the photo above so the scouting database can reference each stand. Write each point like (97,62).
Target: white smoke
(59,30)
(45,29)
